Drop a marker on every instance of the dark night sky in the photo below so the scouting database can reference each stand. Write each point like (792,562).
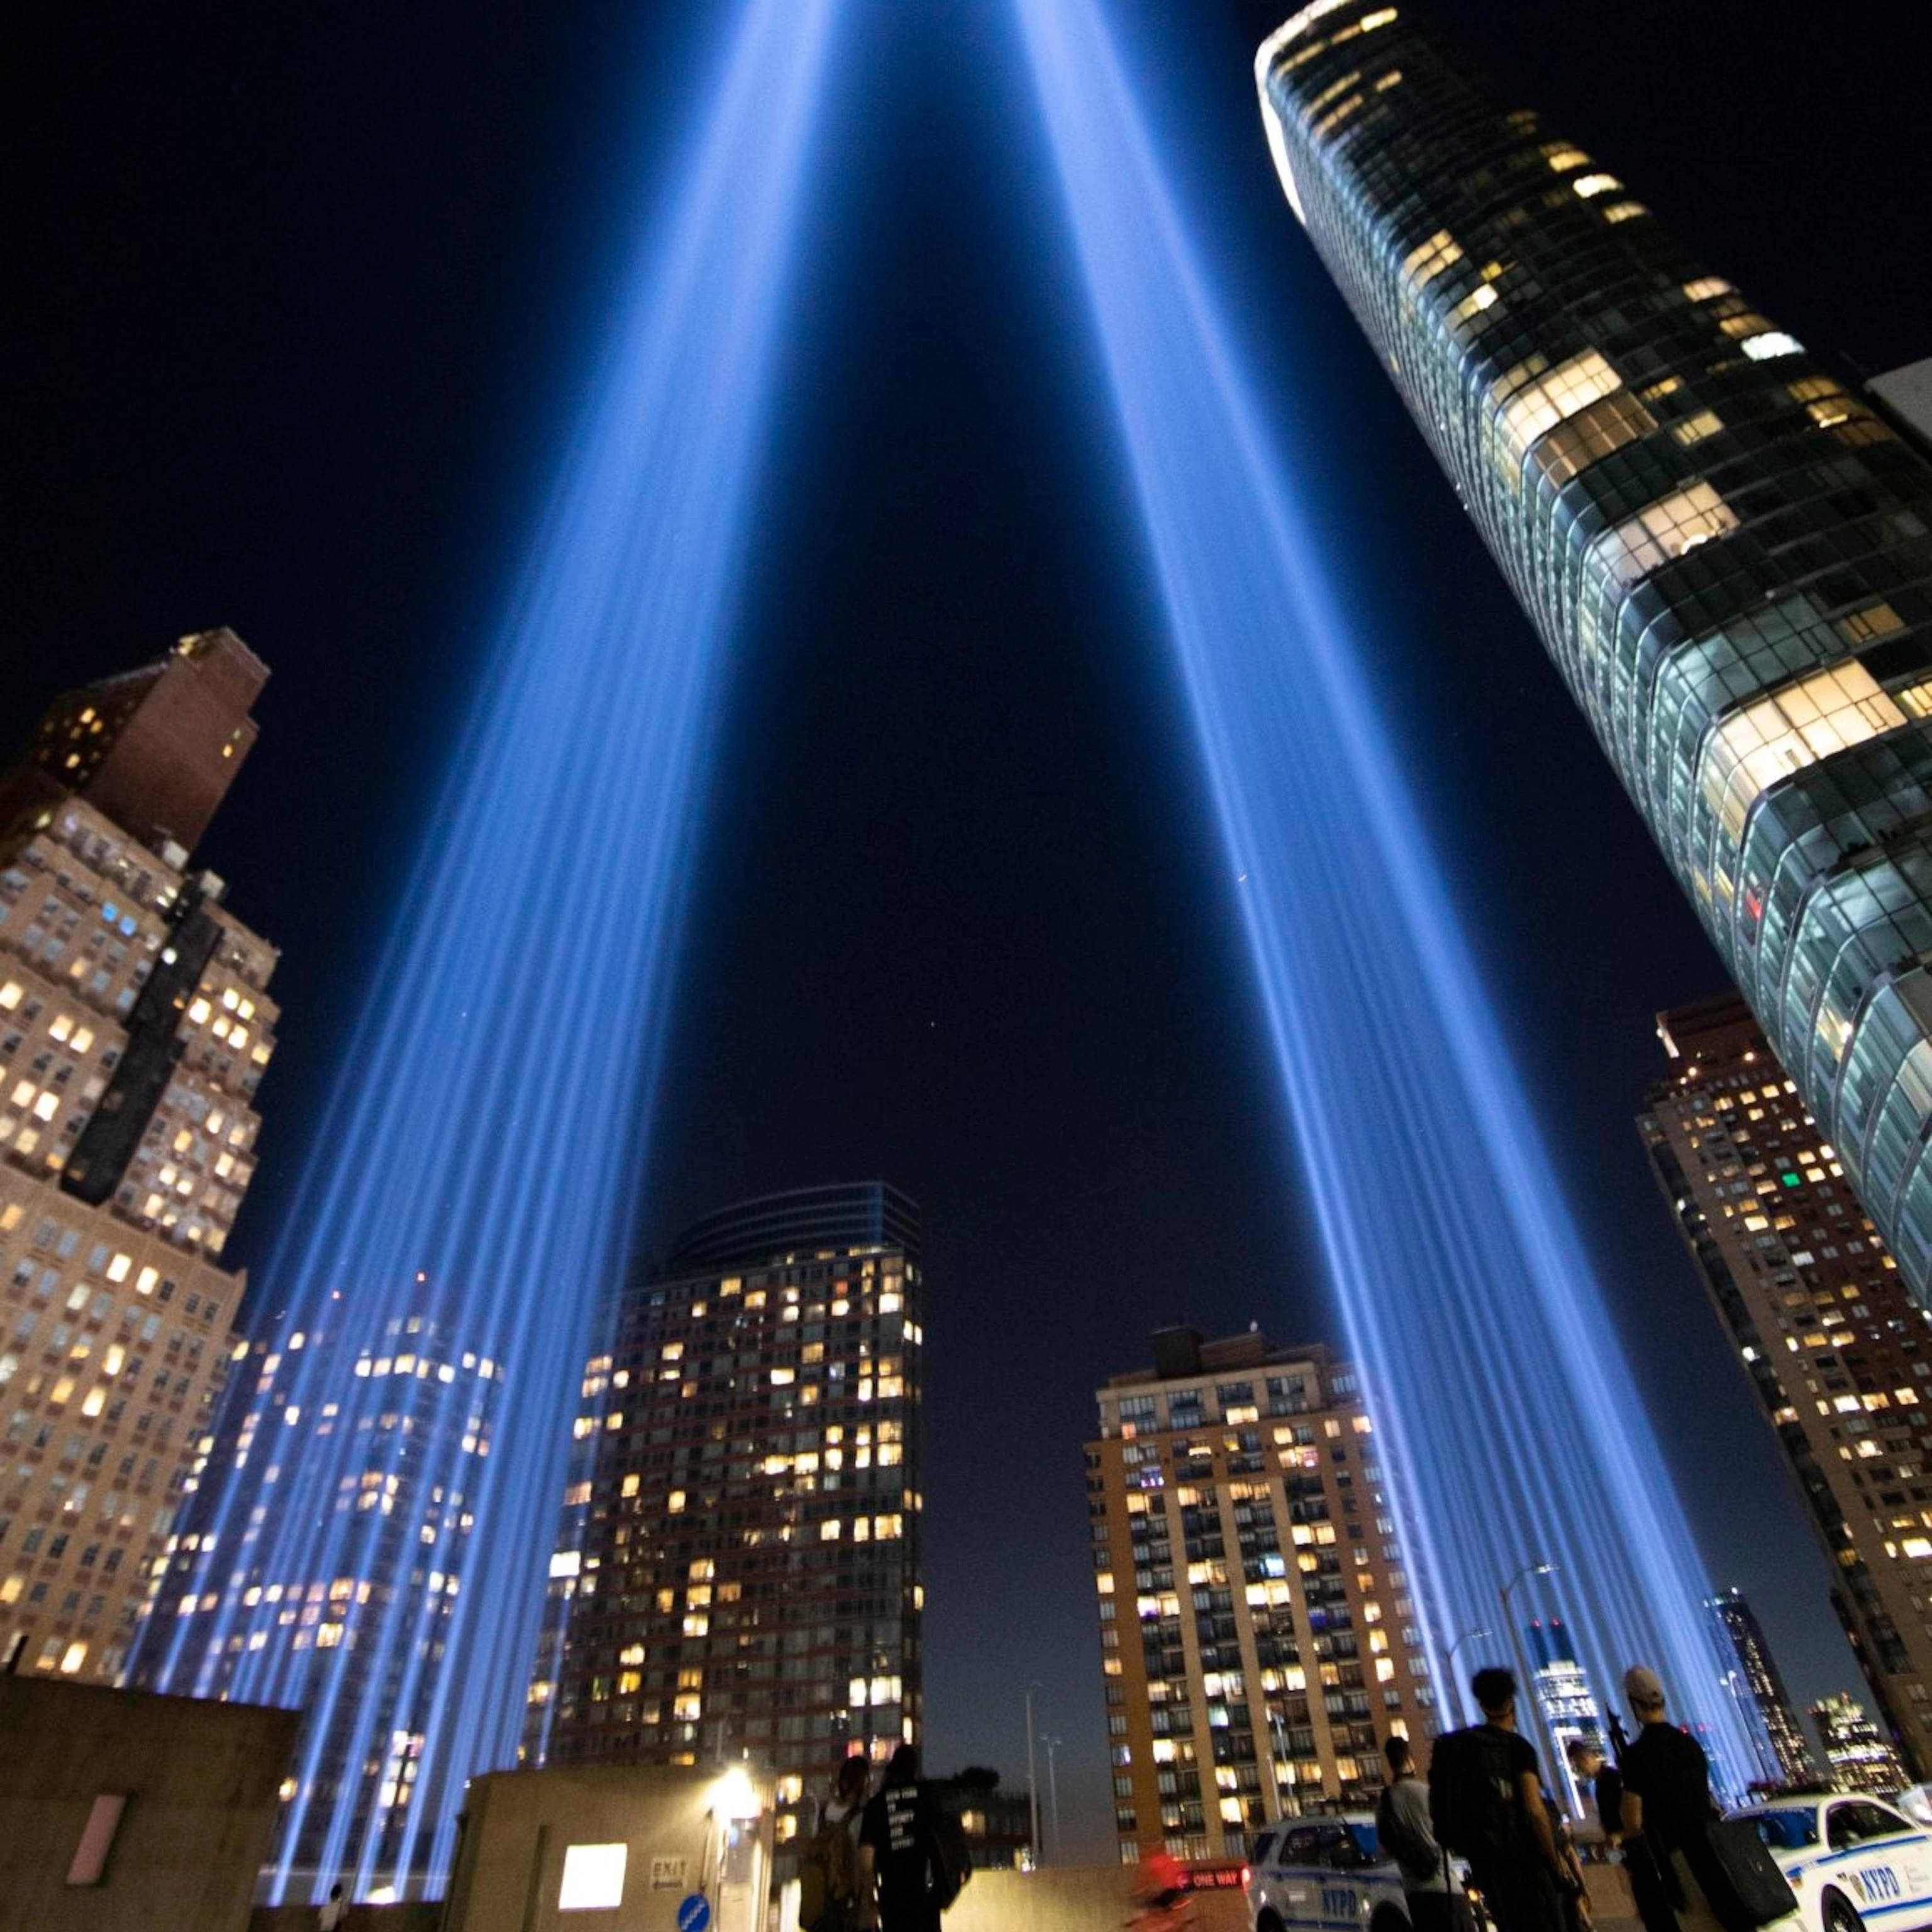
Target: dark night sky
(299,296)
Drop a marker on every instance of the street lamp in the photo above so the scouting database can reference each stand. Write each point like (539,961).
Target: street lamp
(1522,1662)
(1032,1782)
(1474,1636)
(1052,1796)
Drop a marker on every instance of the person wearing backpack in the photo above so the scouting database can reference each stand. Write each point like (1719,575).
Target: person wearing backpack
(829,1869)
(911,1853)
(1402,1832)
(1485,1805)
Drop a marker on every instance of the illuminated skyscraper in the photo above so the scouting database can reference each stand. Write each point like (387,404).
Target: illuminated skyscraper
(1726,553)
(740,1558)
(1567,1705)
(1839,1356)
(1258,1635)
(350,1621)
(134,1029)
(1759,1682)
(1855,1748)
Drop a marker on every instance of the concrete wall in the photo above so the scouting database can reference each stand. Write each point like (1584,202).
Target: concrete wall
(200,1780)
(1075,1898)
(519,1826)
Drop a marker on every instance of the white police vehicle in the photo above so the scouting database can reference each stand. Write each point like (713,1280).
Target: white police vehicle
(1857,1864)
(1323,1875)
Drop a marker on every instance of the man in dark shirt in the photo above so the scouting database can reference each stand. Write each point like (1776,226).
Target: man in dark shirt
(1488,1776)
(897,1846)
(1666,1806)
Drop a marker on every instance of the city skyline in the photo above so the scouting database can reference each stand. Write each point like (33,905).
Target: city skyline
(1255,1248)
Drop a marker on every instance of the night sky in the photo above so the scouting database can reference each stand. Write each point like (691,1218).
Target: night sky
(300,298)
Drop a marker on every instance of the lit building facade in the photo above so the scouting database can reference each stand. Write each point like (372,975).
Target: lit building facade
(739,1560)
(1726,553)
(1840,1355)
(1855,1748)
(1566,1704)
(1259,1636)
(348,1623)
(134,1029)
(1783,1755)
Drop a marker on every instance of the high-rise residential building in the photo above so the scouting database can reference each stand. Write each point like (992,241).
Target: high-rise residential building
(1855,1748)
(348,1624)
(742,1551)
(1840,1355)
(1259,1636)
(134,1028)
(1784,1757)
(1727,553)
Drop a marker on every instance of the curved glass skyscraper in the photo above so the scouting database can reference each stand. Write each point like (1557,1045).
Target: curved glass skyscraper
(1726,552)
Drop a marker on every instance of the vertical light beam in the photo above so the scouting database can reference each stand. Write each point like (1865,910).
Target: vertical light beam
(471,1190)
(1513,1431)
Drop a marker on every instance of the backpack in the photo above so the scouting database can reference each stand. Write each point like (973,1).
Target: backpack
(951,1862)
(1755,1878)
(1398,1838)
(1472,1795)
(828,1878)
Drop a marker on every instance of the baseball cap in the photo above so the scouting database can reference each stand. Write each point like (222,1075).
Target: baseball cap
(1642,1686)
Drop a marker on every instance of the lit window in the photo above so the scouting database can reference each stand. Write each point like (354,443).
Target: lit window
(1421,266)
(1625,211)
(1768,740)
(1705,287)
(1772,343)
(1694,429)
(1590,186)
(1534,407)
(1667,529)
(593,1878)
(1564,159)
(1870,621)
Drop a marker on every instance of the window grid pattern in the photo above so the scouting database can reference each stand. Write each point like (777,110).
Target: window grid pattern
(1684,566)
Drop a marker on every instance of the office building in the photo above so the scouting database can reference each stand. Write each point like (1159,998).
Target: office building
(1567,1705)
(1259,1636)
(1855,1748)
(1784,1755)
(1838,1353)
(1726,551)
(350,1622)
(744,1553)
(134,1028)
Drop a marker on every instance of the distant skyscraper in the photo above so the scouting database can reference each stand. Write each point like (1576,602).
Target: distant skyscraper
(1855,1748)
(740,1558)
(134,1029)
(1840,1357)
(1258,1630)
(1570,1713)
(1780,1738)
(1728,554)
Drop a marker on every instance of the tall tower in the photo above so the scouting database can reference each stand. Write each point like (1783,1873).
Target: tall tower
(1839,1356)
(1727,554)
(740,1561)
(1258,1630)
(1758,1678)
(134,1028)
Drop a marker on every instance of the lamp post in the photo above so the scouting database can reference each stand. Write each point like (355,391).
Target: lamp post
(1473,1635)
(1528,1683)
(1052,1794)
(1032,1782)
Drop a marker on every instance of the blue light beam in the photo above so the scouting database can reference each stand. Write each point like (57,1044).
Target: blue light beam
(478,1166)
(1512,1430)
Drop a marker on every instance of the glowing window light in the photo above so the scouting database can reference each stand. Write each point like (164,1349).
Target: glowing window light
(1440,1217)
(593,1878)
(569,801)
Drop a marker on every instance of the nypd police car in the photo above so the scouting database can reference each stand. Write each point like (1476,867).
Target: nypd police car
(1323,1875)
(1857,1864)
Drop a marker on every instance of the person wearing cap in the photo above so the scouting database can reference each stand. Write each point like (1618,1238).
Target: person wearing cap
(1666,1811)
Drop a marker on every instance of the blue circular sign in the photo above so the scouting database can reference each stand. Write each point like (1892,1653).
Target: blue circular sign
(694,1913)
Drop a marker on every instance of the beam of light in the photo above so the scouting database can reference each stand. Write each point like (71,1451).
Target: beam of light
(1512,1430)
(472,1189)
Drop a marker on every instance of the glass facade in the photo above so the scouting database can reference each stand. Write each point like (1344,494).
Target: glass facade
(1725,550)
